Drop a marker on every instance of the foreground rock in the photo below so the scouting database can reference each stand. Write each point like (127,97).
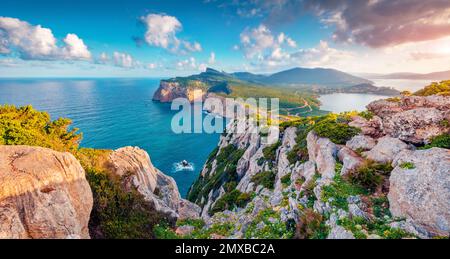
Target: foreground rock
(136,171)
(420,190)
(322,152)
(386,149)
(43,194)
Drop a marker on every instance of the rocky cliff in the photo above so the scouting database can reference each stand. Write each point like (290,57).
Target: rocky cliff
(168,91)
(137,172)
(43,194)
(365,175)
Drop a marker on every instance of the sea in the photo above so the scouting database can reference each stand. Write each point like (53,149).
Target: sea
(113,113)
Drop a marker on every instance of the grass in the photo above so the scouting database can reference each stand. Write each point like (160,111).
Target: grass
(231,200)
(273,227)
(441,141)
(337,192)
(407,165)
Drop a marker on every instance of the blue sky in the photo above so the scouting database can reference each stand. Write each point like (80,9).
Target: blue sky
(151,38)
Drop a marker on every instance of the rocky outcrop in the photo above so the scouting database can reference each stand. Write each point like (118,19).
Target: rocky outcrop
(350,160)
(420,190)
(413,119)
(322,152)
(43,194)
(136,171)
(361,142)
(386,149)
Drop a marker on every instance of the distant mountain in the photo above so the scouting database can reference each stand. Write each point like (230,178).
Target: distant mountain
(442,75)
(314,76)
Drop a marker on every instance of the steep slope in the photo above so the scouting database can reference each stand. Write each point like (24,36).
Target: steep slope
(336,176)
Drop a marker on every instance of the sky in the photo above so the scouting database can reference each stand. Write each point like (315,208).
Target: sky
(165,38)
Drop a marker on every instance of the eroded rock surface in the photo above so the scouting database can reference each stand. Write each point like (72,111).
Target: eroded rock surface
(43,194)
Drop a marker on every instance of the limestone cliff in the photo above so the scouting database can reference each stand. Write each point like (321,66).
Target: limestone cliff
(43,194)
(168,91)
(337,176)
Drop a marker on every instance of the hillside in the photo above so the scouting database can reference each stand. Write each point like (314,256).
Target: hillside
(441,75)
(314,76)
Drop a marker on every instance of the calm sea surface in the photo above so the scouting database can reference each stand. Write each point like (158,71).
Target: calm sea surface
(341,102)
(113,113)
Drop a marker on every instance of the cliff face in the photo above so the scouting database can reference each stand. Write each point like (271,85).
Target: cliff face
(168,91)
(333,183)
(43,194)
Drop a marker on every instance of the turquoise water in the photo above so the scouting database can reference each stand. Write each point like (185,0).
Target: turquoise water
(113,113)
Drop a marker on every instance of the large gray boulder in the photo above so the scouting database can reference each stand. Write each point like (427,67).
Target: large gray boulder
(386,149)
(420,190)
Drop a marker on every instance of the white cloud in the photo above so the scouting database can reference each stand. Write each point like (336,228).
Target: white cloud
(38,43)
(212,58)
(161,32)
(123,60)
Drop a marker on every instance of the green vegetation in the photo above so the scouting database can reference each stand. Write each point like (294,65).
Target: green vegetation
(442,141)
(270,152)
(286,180)
(311,225)
(26,126)
(163,231)
(441,88)
(368,115)
(360,226)
(407,165)
(231,200)
(197,223)
(370,176)
(266,179)
(332,126)
(337,192)
(119,214)
(225,172)
(380,206)
(268,225)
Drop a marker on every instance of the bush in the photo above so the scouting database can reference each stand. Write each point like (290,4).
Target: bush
(442,141)
(266,179)
(119,214)
(270,152)
(286,180)
(370,176)
(442,88)
(337,132)
(337,192)
(231,200)
(311,225)
(26,126)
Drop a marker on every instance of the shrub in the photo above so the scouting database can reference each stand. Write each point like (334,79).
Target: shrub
(368,115)
(286,180)
(26,126)
(231,200)
(273,228)
(442,141)
(119,214)
(338,133)
(370,176)
(311,225)
(266,179)
(270,152)
(442,88)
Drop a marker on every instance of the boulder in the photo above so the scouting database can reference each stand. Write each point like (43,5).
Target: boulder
(361,142)
(43,194)
(323,152)
(350,160)
(420,190)
(370,127)
(386,149)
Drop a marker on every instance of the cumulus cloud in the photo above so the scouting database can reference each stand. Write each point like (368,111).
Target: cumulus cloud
(321,56)
(260,41)
(190,64)
(161,31)
(374,23)
(37,43)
